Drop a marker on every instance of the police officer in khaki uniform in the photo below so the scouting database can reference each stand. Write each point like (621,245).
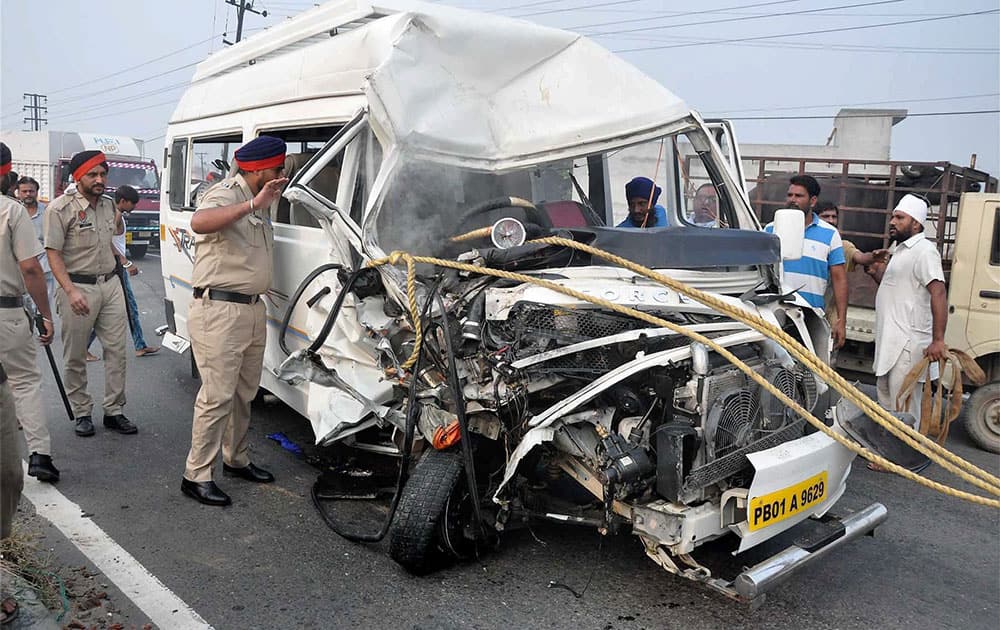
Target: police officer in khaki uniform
(232,268)
(78,230)
(19,268)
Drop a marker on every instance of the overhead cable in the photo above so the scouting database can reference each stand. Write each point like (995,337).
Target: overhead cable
(814,32)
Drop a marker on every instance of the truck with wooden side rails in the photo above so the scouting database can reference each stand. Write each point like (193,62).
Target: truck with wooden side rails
(964,223)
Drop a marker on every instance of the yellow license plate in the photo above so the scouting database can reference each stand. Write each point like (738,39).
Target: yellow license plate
(128,238)
(785,503)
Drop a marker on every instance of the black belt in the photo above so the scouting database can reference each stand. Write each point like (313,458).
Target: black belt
(7,301)
(82,278)
(226,296)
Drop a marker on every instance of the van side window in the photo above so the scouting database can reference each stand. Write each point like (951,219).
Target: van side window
(211,162)
(995,248)
(302,145)
(178,174)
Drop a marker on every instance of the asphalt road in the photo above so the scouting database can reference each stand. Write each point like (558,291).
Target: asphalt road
(269,561)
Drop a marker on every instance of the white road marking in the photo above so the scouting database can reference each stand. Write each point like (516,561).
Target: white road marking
(158,602)
(151,255)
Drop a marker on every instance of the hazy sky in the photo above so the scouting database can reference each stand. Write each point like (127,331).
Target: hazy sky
(119,66)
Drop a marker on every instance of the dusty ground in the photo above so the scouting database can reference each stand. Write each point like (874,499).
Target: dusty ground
(78,596)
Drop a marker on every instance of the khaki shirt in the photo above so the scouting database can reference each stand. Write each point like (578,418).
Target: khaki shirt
(240,256)
(82,233)
(18,243)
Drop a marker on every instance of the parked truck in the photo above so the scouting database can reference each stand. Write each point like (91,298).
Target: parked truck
(45,156)
(964,223)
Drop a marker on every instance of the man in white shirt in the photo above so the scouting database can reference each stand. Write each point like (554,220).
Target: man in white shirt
(911,306)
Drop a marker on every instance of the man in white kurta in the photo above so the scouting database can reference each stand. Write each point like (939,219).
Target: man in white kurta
(911,306)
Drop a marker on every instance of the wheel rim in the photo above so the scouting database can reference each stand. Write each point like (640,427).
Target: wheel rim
(989,416)
(454,519)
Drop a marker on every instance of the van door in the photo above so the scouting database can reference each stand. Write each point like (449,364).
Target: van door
(325,198)
(984,302)
(725,136)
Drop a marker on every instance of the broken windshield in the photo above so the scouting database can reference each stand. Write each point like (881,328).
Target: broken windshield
(426,202)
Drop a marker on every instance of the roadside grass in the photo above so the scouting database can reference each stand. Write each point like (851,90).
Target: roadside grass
(22,561)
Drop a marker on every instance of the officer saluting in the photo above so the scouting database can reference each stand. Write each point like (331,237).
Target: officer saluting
(78,229)
(232,268)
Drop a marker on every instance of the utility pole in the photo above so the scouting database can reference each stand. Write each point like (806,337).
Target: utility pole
(242,6)
(37,105)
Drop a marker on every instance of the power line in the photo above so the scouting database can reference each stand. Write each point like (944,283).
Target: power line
(528,5)
(588,6)
(105,91)
(815,32)
(826,47)
(902,101)
(747,19)
(887,115)
(122,99)
(118,113)
(676,14)
(138,65)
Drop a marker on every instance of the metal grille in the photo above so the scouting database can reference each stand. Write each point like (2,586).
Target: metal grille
(541,324)
(737,461)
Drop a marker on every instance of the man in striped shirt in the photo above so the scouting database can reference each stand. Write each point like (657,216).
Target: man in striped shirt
(822,259)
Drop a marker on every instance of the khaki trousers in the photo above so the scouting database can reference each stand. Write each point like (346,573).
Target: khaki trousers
(11,473)
(228,344)
(18,348)
(108,319)
(890,383)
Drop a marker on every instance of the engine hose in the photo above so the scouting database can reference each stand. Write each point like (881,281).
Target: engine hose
(295,300)
(331,317)
(409,431)
(463,421)
(765,328)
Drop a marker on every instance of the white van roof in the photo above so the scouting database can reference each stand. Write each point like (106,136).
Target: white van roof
(467,86)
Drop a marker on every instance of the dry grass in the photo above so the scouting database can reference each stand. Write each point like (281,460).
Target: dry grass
(22,561)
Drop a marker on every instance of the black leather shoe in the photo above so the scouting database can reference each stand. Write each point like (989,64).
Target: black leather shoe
(84,426)
(121,424)
(41,468)
(248,472)
(205,492)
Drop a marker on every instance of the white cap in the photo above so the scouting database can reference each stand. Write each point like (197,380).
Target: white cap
(913,206)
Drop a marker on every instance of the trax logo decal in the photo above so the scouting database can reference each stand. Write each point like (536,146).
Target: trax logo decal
(183,241)
(636,295)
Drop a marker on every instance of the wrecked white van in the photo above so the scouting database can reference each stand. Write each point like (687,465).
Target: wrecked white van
(409,125)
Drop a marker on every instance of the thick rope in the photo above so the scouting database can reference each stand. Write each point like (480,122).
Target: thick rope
(872,409)
(395,257)
(931,422)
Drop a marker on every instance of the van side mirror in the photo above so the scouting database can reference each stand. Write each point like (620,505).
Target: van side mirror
(788,227)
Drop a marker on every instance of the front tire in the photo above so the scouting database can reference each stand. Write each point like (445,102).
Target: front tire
(982,417)
(138,251)
(414,538)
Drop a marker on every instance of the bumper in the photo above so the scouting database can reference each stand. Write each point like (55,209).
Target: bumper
(757,580)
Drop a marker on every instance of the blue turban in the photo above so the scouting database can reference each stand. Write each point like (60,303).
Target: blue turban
(261,153)
(640,188)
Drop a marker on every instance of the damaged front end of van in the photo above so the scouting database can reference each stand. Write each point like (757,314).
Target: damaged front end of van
(513,395)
